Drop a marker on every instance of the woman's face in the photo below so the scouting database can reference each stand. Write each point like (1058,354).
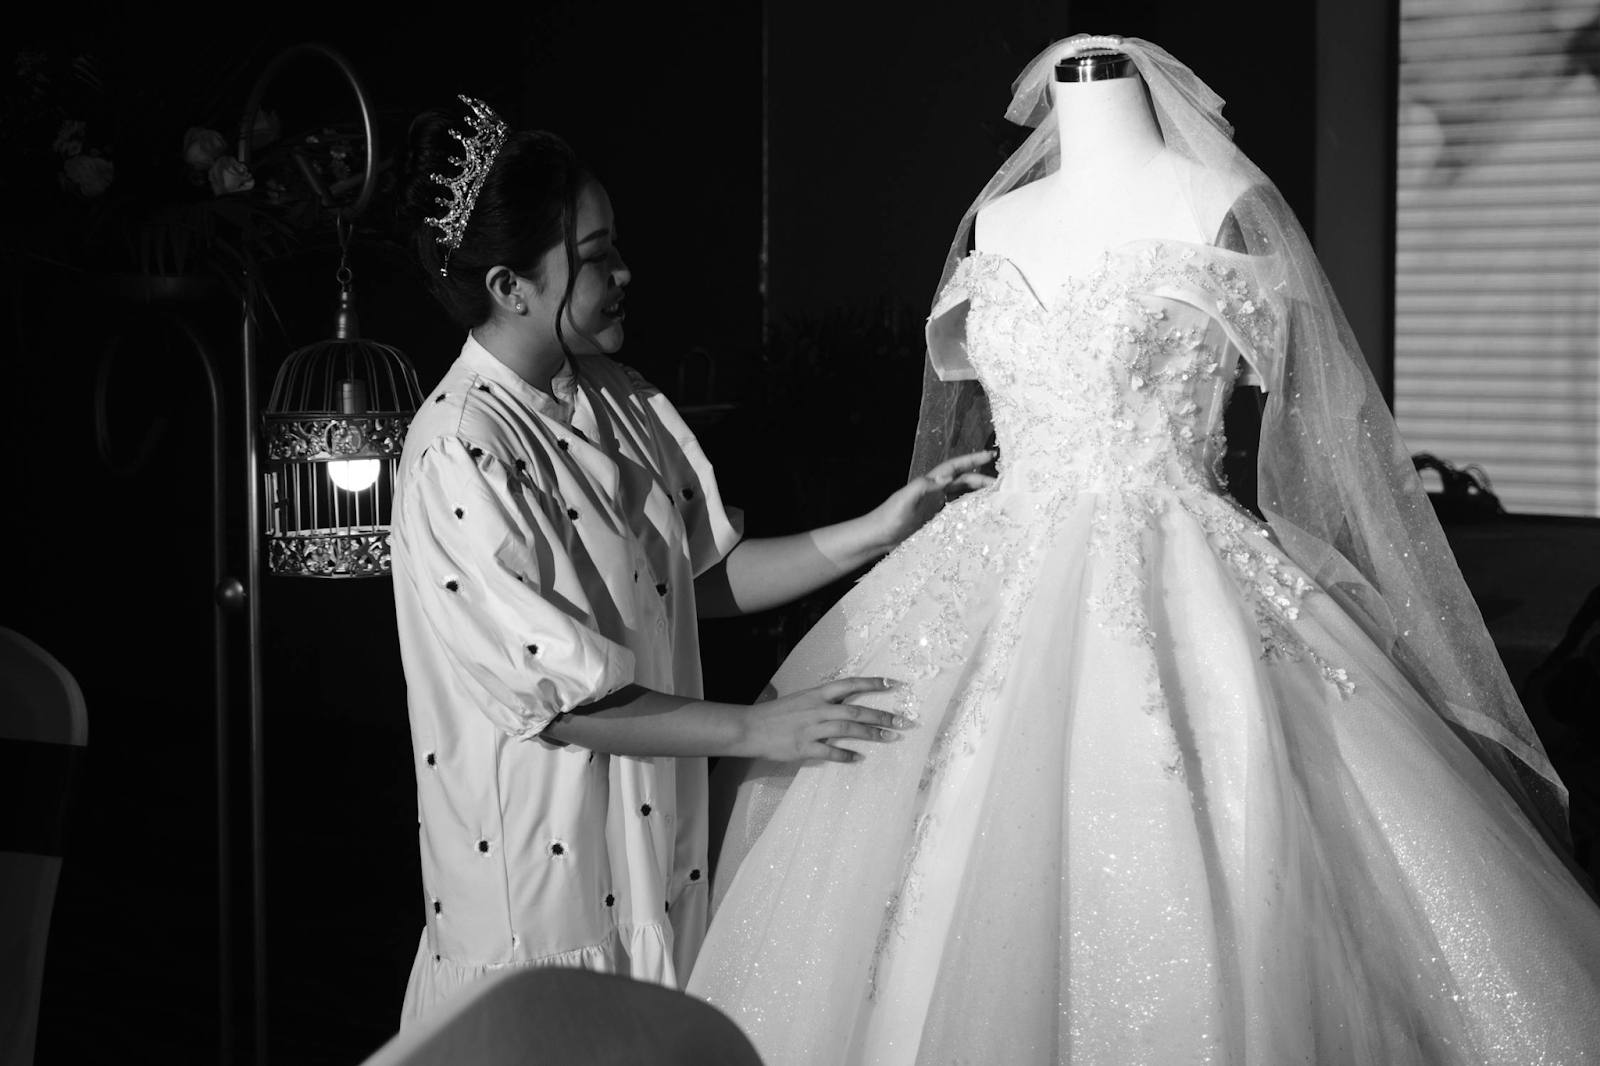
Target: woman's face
(594,315)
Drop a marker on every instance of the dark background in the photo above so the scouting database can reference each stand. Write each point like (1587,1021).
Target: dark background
(879,124)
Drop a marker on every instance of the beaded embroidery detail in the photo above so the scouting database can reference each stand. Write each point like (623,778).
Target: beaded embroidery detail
(1121,418)
(1097,391)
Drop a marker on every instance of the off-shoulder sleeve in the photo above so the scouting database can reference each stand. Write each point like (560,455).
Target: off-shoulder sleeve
(499,588)
(947,329)
(711,527)
(1241,294)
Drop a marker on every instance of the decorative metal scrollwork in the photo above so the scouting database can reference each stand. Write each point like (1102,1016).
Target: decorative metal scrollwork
(311,439)
(330,554)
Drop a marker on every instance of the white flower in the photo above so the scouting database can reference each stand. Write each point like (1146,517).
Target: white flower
(90,173)
(203,147)
(229,175)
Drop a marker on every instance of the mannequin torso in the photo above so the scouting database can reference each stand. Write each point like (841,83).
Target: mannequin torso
(1117,183)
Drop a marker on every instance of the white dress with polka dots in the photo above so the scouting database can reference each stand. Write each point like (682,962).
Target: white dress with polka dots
(545,549)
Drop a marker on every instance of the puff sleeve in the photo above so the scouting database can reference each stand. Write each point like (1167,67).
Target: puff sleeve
(498,579)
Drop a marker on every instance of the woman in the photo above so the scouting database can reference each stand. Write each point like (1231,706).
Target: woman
(557,531)
(1186,787)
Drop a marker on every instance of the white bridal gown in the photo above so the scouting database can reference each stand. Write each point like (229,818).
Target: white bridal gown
(1165,801)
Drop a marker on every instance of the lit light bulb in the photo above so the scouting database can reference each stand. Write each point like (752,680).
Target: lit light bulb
(353,475)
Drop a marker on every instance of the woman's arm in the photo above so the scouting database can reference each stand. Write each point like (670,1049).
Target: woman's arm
(638,721)
(769,572)
(766,572)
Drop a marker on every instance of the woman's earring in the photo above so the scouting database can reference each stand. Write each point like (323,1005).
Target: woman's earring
(521,307)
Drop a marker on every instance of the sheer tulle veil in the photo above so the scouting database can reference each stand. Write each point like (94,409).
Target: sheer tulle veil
(1336,482)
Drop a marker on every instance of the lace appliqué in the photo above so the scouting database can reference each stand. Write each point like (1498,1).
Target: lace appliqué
(1098,391)
(1122,419)
(902,904)
(1272,586)
(940,595)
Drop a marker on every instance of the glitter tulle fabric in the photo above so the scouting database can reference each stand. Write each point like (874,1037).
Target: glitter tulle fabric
(1164,801)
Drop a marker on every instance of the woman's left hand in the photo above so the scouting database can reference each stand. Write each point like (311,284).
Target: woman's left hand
(908,509)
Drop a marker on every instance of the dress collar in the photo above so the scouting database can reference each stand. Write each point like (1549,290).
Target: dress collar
(558,404)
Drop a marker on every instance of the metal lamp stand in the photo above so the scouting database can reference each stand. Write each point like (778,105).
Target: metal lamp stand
(245,597)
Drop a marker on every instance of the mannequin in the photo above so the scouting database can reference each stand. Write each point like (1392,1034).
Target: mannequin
(1117,182)
(1183,785)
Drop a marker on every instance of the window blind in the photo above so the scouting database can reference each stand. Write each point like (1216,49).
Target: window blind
(1497,246)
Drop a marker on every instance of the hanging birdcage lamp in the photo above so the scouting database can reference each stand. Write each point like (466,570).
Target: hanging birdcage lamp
(334,428)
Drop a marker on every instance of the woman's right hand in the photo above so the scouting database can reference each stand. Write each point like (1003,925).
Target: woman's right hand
(808,724)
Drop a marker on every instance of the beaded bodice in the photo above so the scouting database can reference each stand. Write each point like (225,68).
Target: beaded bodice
(1114,387)
(1107,402)
(1118,379)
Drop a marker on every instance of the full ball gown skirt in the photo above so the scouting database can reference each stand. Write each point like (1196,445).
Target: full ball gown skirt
(1164,801)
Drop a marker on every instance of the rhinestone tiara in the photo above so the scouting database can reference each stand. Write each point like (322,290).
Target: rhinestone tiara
(489,133)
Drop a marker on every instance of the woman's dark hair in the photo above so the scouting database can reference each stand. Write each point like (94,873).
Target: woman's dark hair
(527,206)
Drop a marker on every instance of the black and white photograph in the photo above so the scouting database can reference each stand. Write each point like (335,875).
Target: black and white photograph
(801,534)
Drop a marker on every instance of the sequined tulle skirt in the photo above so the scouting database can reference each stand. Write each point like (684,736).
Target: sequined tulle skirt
(1164,802)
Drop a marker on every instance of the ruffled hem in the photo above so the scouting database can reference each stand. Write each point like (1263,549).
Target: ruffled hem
(641,952)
